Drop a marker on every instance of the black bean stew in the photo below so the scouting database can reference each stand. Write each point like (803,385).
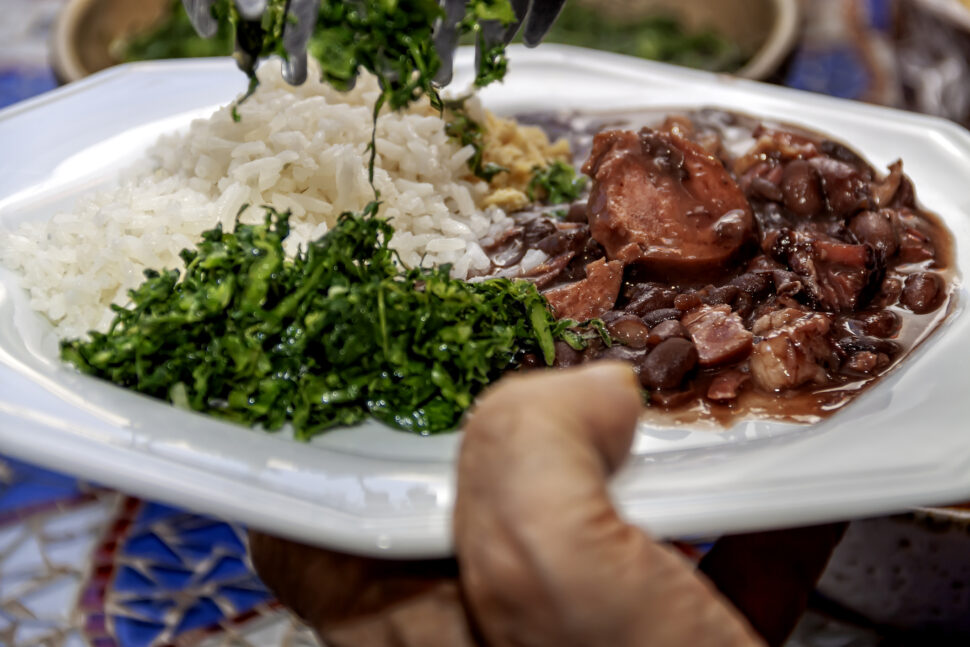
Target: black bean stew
(744,268)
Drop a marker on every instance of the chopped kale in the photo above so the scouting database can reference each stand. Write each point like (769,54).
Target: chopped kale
(555,184)
(468,132)
(392,40)
(325,339)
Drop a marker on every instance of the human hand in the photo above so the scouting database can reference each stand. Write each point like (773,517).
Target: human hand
(542,556)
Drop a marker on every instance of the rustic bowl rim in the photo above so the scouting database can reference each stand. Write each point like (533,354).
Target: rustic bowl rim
(68,66)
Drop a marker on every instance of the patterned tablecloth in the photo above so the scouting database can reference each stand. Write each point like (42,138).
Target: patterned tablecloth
(83,565)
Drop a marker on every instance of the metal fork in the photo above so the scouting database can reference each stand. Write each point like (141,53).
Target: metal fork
(537,15)
(298,26)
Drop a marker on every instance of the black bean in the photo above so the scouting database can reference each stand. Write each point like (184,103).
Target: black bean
(622,353)
(754,283)
(663,314)
(889,292)
(559,242)
(566,355)
(629,331)
(923,292)
(743,304)
(670,399)
(878,229)
(536,230)
(530,360)
(802,189)
(687,301)
(841,152)
(851,345)
(665,330)
(720,295)
(762,188)
(864,363)
(646,297)
(846,189)
(576,213)
(880,323)
(668,364)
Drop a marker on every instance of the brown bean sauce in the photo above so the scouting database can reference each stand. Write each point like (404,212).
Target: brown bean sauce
(755,269)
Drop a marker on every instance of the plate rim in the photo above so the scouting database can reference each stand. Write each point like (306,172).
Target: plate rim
(360,533)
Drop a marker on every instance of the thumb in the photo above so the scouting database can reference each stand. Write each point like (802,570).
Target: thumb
(543,555)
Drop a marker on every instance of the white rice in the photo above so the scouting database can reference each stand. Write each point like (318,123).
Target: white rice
(300,149)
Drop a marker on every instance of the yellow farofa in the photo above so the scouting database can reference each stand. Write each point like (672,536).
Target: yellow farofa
(520,149)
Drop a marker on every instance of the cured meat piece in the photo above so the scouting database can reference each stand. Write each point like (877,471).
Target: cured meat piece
(726,386)
(718,334)
(590,297)
(662,202)
(794,349)
(836,274)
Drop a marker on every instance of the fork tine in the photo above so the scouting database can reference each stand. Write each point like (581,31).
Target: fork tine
(301,18)
(446,38)
(521,8)
(251,9)
(541,17)
(490,35)
(294,69)
(200,15)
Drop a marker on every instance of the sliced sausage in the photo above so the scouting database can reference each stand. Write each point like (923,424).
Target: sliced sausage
(662,202)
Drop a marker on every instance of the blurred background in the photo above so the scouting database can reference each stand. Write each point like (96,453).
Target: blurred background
(82,565)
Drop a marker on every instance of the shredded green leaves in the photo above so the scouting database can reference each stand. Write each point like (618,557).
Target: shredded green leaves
(555,184)
(325,339)
(467,132)
(392,39)
(340,332)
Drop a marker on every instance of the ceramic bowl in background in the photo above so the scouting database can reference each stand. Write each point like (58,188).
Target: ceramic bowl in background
(87,31)
(769,28)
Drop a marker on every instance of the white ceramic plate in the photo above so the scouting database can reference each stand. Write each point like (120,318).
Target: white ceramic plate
(373,490)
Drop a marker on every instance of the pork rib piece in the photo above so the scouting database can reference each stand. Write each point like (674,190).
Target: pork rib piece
(589,297)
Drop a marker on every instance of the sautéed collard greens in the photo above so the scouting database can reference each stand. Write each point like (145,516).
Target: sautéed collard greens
(340,332)
(325,339)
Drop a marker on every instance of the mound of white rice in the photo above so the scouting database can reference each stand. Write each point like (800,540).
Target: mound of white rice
(301,149)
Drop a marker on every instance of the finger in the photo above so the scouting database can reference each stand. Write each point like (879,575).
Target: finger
(543,555)
(543,14)
(352,600)
(435,618)
(770,575)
